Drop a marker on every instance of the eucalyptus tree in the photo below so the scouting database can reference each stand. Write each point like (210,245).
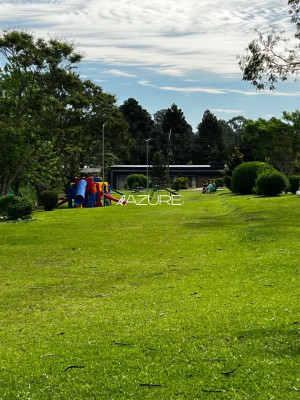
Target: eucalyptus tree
(268,58)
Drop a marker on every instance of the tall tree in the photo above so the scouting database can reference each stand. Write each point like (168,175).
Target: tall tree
(268,60)
(34,85)
(140,127)
(178,134)
(209,144)
(48,116)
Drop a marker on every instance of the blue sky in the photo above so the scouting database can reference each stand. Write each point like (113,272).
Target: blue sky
(165,51)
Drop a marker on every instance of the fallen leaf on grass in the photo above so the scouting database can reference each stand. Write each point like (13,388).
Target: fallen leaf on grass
(214,391)
(296,389)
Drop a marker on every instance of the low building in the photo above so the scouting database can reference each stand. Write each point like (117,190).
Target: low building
(196,174)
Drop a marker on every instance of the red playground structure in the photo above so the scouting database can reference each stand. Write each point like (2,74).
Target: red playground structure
(89,192)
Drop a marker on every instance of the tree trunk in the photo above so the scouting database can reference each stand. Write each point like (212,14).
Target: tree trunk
(8,181)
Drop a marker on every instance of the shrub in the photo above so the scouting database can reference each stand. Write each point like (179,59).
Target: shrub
(270,183)
(180,183)
(19,207)
(294,182)
(244,176)
(4,203)
(48,199)
(136,180)
(219,182)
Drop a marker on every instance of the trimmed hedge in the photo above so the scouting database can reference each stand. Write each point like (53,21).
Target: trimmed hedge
(14,207)
(244,176)
(294,183)
(48,199)
(180,183)
(136,180)
(270,183)
(4,203)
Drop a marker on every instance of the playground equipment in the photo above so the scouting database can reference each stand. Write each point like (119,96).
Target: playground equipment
(88,192)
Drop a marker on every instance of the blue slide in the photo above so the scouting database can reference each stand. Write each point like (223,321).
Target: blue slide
(80,193)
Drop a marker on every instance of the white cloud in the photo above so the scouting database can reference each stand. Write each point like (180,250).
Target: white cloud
(117,72)
(174,38)
(224,111)
(144,82)
(193,89)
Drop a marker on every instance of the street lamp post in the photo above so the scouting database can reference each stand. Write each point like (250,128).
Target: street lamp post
(103,164)
(147,141)
(169,151)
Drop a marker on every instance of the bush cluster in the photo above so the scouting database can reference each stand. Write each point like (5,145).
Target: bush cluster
(270,183)
(244,176)
(260,178)
(14,207)
(48,199)
(136,180)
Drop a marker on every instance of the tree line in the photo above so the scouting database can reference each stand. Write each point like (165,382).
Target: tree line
(51,120)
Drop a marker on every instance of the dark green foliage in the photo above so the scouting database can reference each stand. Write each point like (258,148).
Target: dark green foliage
(244,176)
(294,182)
(140,125)
(4,203)
(270,183)
(276,139)
(19,207)
(180,183)
(48,199)
(158,170)
(177,135)
(136,180)
(233,161)
(208,143)
(219,182)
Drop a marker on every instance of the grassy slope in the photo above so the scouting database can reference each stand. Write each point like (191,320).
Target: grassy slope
(198,299)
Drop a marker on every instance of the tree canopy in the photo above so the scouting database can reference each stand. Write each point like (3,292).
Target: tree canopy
(268,60)
(276,140)
(209,143)
(50,120)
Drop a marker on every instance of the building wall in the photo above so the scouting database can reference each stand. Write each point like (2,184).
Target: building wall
(196,175)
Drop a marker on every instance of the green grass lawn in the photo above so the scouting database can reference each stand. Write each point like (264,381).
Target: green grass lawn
(199,301)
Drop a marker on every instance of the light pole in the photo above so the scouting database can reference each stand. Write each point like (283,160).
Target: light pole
(169,151)
(103,165)
(147,141)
